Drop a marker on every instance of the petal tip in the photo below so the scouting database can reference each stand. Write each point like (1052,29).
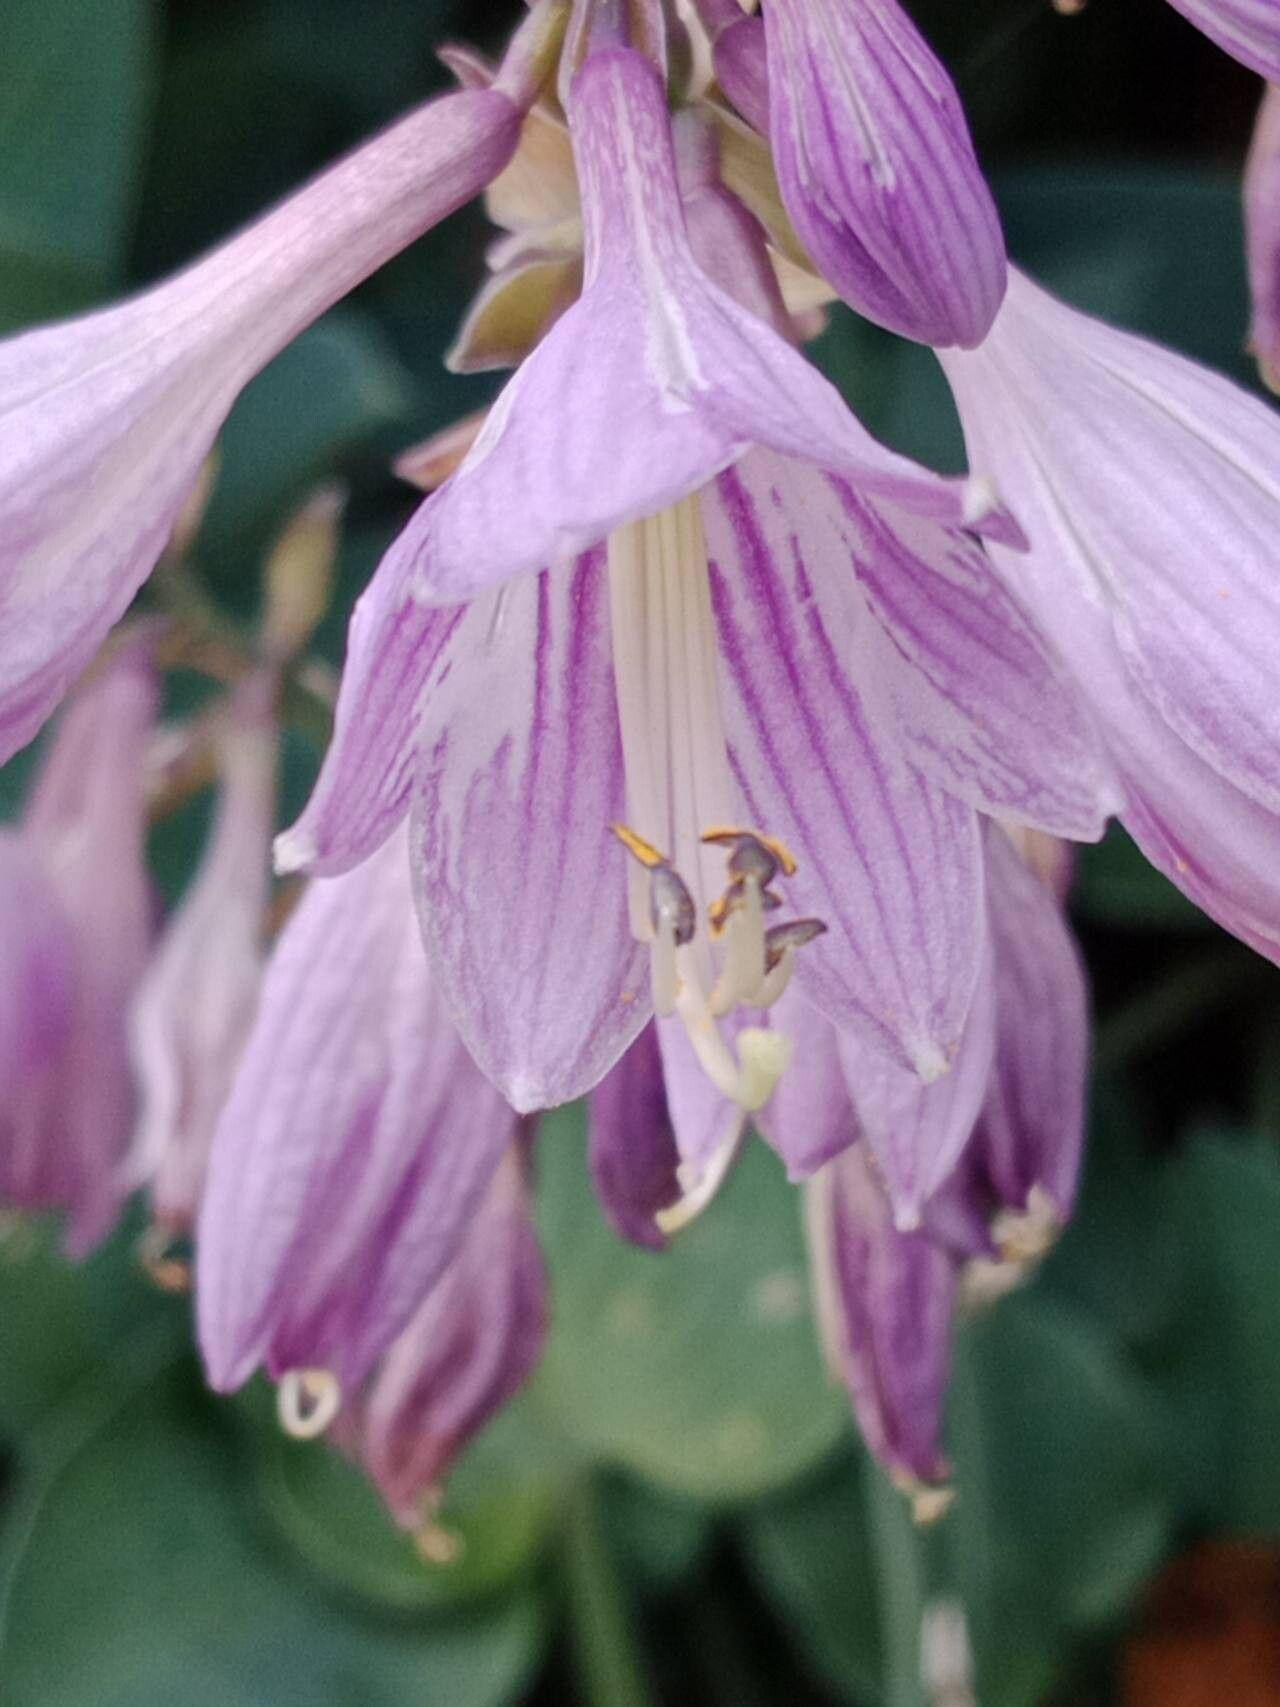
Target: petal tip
(294,851)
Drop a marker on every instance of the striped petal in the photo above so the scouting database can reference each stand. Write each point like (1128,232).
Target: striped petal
(1249,30)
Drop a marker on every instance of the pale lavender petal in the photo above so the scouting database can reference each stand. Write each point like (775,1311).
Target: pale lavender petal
(105,421)
(886,1300)
(631,1147)
(366,781)
(38,969)
(877,169)
(742,69)
(810,1117)
(1151,489)
(1148,489)
(888,860)
(1033,1127)
(1249,30)
(468,1349)
(196,1003)
(918,1132)
(647,387)
(86,824)
(356,1144)
(522,901)
(1262,235)
(979,703)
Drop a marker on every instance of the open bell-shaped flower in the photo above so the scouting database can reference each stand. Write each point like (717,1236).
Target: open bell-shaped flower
(465,1352)
(106,420)
(80,952)
(1148,486)
(780,647)
(352,1153)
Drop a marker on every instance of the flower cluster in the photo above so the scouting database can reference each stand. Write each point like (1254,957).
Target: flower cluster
(694,752)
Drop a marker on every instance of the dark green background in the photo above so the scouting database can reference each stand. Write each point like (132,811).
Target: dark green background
(678,1511)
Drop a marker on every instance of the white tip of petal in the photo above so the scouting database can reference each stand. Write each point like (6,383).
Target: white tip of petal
(979,499)
(294,850)
(930,1062)
(906,1218)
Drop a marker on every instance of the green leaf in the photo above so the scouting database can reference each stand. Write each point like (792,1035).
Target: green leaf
(698,1368)
(1115,885)
(1062,1509)
(659,1540)
(74,102)
(811,1552)
(142,1583)
(500,1506)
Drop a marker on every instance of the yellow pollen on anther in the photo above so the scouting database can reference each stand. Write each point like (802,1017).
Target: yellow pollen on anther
(718,836)
(645,852)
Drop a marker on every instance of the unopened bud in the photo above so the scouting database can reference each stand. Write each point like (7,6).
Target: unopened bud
(300,574)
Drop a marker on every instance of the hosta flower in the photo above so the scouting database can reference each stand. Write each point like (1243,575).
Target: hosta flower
(1149,489)
(105,421)
(354,1149)
(915,1193)
(195,1005)
(469,1347)
(877,169)
(1262,235)
(765,650)
(76,868)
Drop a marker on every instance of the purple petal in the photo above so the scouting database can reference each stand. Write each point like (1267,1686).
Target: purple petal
(521,886)
(704,1121)
(887,1299)
(888,860)
(742,69)
(979,703)
(1262,236)
(105,421)
(810,1117)
(471,1345)
(366,781)
(86,823)
(1033,1128)
(647,387)
(38,967)
(1151,490)
(195,1005)
(1249,30)
(918,1132)
(356,1144)
(631,1145)
(877,169)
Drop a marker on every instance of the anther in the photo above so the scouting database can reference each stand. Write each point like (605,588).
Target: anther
(307,1401)
(780,945)
(752,854)
(672,905)
(165,1258)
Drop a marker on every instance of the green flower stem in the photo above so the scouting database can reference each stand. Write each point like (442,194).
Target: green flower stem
(609,1663)
(901,1581)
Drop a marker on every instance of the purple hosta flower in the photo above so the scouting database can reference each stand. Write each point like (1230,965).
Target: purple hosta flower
(80,951)
(466,1351)
(876,166)
(1262,236)
(770,621)
(1002,1156)
(1149,487)
(1249,30)
(353,1151)
(105,421)
(196,1003)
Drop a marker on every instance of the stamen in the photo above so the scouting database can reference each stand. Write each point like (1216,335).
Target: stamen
(744,949)
(701,1191)
(765,1057)
(780,945)
(748,845)
(307,1401)
(165,1258)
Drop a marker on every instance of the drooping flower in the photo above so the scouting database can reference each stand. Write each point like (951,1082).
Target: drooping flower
(771,620)
(1262,236)
(466,1351)
(196,1003)
(353,1151)
(81,949)
(106,420)
(877,168)
(889,1259)
(1148,486)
